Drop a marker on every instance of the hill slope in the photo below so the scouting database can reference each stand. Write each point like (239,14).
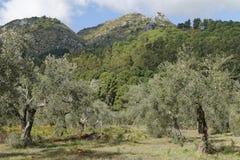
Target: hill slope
(48,35)
(131,24)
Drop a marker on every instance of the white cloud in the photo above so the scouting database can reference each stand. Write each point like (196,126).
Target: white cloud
(173,8)
(123,6)
(61,9)
(81,2)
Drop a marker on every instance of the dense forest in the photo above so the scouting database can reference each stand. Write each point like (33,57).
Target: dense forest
(167,78)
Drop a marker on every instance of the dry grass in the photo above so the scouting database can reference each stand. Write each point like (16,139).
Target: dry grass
(149,148)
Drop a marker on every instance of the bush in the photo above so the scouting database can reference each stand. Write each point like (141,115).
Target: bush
(13,140)
(3,135)
(157,128)
(235,123)
(119,134)
(158,123)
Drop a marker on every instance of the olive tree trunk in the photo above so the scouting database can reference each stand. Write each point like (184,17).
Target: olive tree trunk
(205,146)
(82,124)
(26,125)
(176,129)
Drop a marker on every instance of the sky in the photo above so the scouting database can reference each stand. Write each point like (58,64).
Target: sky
(79,14)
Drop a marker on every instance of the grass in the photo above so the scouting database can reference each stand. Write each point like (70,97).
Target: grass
(129,144)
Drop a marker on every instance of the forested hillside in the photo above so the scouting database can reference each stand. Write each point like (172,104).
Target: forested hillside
(130,71)
(135,59)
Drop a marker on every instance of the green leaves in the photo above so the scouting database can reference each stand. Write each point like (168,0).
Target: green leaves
(174,92)
(65,94)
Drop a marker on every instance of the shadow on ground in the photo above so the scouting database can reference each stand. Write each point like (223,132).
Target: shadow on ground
(59,152)
(12,155)
(79,154)
(229,150)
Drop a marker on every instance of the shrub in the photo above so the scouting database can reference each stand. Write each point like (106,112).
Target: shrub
(119,134)
(235,123)
(14,141)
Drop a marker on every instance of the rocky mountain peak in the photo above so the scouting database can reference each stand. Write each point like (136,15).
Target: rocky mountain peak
(34,23)
(48,35)
(51,36)
(160,19)
(118,29)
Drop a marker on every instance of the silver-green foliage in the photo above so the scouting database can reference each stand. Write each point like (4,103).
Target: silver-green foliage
(234,120)
(66,96)
(171,97)
(19,96)
(13,68)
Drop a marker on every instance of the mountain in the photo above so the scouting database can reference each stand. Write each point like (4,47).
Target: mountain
(136,59)
(128,50)
(120,28)
(48,35)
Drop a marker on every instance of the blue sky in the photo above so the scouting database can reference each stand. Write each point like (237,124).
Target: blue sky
(79,14)
(93,16)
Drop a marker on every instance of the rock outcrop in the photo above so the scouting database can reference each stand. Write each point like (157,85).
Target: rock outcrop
(120,28)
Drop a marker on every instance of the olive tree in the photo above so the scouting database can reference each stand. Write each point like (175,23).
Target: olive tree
(208,94)
(160,99)
(66,95)
(17,78)
(197,90)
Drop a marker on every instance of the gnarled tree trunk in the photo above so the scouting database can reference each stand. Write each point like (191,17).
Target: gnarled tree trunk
(176,129)
(63,126)
(82,123)
(204,146)
(26,124)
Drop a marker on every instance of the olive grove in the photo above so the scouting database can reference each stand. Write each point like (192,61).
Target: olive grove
(186,93)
